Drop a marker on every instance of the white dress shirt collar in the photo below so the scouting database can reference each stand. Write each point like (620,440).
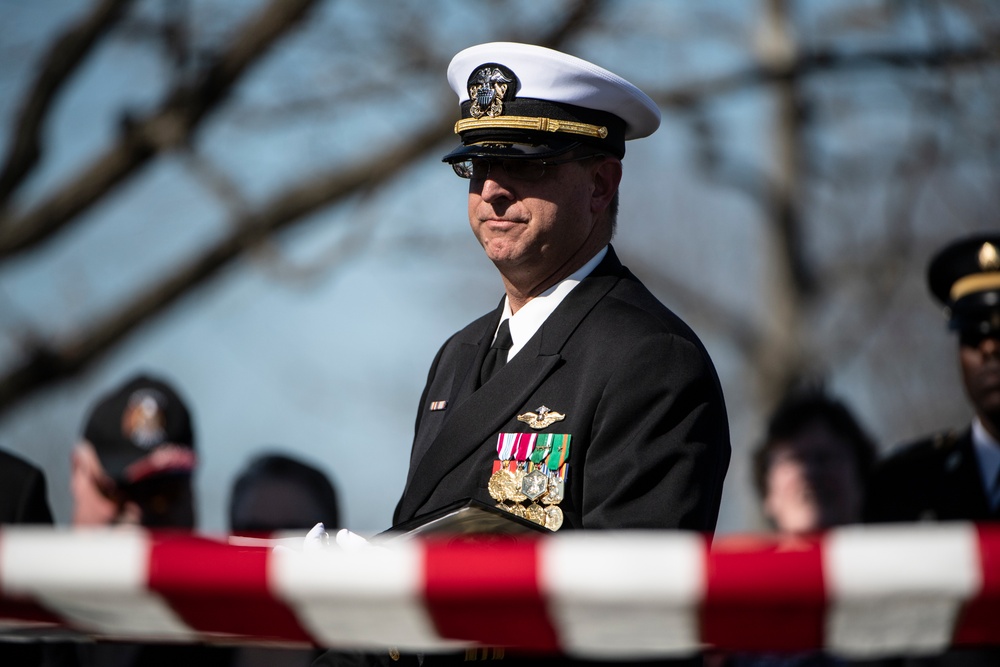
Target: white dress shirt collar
(530,317)
(988,452)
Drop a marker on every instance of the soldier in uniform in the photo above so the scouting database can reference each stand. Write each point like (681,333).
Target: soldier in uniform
(953,475)
(580,401)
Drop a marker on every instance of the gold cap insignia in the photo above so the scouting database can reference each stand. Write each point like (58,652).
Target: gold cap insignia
(487,89)
(144,420)
(989,259)
(541,418)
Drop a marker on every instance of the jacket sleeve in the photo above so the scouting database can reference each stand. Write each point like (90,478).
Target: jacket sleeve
(660,446)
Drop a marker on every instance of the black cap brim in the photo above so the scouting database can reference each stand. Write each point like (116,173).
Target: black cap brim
(511,150)
(976,312)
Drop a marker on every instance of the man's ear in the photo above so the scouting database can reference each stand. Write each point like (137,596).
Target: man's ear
(607,177)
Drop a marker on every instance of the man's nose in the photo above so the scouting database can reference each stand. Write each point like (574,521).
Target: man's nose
(990,346)
(493,186)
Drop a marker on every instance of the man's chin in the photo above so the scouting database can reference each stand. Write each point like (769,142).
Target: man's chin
(504,257)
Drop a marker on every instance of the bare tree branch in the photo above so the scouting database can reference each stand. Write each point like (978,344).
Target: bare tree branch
(64,57)
(216,181)
(828,61)
(170,125)
(48,363)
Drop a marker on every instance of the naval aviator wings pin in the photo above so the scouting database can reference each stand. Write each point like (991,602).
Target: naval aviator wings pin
(541,418)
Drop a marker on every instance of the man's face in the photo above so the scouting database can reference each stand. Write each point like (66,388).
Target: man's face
(159,502)
(95,501)
(979,357)
(813,483)
(533,228)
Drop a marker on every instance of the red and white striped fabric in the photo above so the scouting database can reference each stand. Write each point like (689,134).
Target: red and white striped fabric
(862,591)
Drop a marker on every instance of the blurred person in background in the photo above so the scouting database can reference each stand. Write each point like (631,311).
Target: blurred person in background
(811,469)
(810,473)
(135,460)
(23,492)
(134,465)
(954,475)
(23,500)
(274,493)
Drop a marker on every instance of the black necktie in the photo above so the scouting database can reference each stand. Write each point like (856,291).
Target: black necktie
(497,355)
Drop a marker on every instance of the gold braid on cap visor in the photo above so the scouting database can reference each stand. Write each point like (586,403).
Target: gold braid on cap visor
(532,123)
(977,282)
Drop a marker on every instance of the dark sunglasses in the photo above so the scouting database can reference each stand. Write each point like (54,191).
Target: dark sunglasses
(974,336)
(478,168)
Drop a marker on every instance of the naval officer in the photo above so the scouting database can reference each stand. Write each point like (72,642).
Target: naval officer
(580,385)
(579,401)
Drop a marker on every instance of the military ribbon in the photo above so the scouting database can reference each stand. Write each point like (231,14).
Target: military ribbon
(543,445)
(524,444)
(505,446)
(560,450)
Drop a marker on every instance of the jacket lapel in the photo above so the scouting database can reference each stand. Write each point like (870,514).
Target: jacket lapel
(479,414)
(965,492)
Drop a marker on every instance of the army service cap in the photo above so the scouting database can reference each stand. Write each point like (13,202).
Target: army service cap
(965,277)
(526,101)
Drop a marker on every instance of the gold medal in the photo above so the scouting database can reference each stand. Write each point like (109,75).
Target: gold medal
(501,485)
(554,492)
(517,494)
(516,510)
(535,513)
(553,518)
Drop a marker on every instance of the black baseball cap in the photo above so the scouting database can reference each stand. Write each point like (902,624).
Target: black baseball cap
(142,430)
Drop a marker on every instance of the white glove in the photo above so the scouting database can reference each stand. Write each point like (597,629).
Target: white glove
(317,539)
(349,541)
